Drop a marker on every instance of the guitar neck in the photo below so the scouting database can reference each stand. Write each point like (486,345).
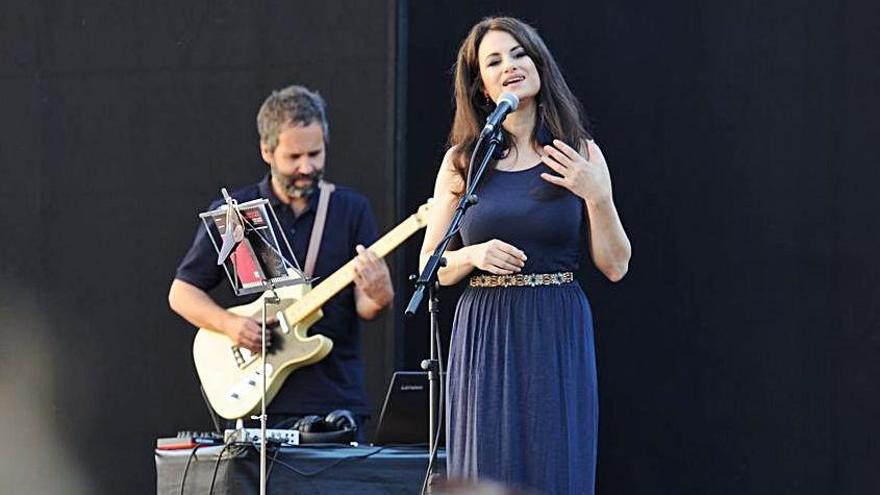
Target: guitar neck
(314,299)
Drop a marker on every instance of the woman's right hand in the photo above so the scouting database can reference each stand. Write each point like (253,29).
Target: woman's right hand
(497,257)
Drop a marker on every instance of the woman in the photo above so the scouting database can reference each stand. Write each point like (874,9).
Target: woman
(522,399)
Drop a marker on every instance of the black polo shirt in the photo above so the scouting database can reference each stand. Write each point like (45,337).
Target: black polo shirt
(337,381)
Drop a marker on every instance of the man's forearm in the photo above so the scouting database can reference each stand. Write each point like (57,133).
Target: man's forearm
(196,306)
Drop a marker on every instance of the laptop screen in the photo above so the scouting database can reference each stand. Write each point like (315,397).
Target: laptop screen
(404,416)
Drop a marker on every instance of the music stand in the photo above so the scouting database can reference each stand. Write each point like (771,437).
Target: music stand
(254,261)
(252,256)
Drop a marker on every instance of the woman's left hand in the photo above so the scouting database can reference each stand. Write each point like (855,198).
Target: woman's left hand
(589,179)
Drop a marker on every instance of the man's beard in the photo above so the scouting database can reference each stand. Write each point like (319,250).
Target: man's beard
(295,191)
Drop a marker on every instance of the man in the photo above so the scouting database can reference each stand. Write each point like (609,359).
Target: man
(293,132)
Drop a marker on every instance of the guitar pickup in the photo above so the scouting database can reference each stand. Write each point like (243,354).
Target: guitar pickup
(285,327)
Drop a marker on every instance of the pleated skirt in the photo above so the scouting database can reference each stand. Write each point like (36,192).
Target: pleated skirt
(522,392)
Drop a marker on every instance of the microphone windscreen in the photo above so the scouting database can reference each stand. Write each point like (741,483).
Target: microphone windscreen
(511,100)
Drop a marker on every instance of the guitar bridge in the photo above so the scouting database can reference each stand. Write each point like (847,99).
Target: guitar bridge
(243,357)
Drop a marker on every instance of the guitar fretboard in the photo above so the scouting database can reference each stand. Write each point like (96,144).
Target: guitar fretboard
(314,299)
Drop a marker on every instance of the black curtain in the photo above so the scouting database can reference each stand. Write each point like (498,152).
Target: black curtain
(738,354)
(120,123)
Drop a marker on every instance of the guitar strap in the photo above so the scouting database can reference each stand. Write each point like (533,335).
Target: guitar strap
(325,190)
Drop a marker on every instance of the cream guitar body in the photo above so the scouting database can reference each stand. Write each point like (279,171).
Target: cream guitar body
(231,376)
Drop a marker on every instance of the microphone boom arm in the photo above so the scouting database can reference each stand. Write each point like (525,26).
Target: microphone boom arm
(429,274)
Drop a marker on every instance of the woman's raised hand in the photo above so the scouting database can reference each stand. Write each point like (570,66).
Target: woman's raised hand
(589,179)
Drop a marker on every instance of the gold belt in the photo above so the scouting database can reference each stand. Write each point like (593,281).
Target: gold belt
(521,280)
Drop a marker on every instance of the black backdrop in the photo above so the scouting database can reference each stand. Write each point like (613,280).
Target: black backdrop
(120,123)
(738,356)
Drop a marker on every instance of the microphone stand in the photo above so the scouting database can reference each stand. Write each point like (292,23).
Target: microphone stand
(428,280)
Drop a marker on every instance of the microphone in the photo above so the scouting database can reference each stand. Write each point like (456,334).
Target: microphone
(507,103)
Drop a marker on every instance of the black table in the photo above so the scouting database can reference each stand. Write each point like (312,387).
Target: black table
(327,469)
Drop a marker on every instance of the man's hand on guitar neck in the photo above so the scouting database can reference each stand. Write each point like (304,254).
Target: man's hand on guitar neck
(373,289)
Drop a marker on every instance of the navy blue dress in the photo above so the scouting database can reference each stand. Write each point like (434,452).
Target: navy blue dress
(522,397)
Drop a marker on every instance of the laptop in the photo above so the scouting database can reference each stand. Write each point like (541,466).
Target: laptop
(404,416)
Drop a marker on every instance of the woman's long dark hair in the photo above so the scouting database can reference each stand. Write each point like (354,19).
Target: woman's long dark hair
(558,112)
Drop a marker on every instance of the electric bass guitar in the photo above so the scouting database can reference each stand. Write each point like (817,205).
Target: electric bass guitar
(231,375)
